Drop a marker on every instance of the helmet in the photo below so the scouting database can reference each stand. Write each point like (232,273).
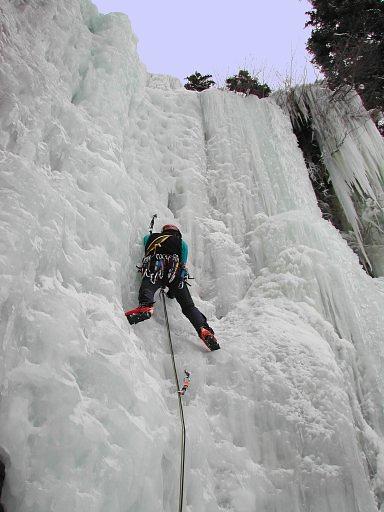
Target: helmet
(170,227)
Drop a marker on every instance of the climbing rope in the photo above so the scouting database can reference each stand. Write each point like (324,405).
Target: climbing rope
(182,455)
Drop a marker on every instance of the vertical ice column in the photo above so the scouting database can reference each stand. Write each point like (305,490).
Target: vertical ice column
(352,150)
(254,165)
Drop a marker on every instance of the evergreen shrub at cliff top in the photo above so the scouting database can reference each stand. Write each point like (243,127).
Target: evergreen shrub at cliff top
(198,82)
(245,83)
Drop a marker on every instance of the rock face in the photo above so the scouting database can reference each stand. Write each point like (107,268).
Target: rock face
(287,417)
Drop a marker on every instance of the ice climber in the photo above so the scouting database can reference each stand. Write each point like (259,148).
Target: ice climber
(164,265)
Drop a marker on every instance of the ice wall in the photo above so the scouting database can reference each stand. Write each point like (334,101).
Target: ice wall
(288,415)
(352,150)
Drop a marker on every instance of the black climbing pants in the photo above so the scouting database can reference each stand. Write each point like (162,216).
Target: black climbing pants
(147,293)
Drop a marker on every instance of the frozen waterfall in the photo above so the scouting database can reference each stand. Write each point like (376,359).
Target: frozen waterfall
(288,415)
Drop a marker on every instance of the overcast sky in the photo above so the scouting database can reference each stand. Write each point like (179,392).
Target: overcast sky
(220,37)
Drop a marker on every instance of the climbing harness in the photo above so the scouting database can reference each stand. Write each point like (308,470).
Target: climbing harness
(181,411)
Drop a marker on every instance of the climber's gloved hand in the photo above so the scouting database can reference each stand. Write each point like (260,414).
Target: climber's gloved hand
(183,276)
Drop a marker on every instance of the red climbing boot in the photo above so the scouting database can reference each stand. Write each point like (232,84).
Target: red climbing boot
(134,316)
(207,335)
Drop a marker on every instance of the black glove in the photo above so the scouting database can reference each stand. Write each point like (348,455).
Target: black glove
(183,276)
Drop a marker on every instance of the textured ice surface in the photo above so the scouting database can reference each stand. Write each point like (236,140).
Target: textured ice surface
(287,417)
(353,152)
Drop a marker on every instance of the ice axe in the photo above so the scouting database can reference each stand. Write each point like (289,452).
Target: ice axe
(152,223)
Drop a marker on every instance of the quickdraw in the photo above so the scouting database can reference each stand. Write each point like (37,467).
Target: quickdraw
(186,383)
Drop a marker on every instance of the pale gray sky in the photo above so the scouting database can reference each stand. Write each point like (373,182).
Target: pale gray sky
(220,37)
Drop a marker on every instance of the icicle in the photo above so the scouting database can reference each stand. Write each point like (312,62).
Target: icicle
(351,146)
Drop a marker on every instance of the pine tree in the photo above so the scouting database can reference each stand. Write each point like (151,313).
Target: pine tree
(198,82)
(247,84)
(347,45)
